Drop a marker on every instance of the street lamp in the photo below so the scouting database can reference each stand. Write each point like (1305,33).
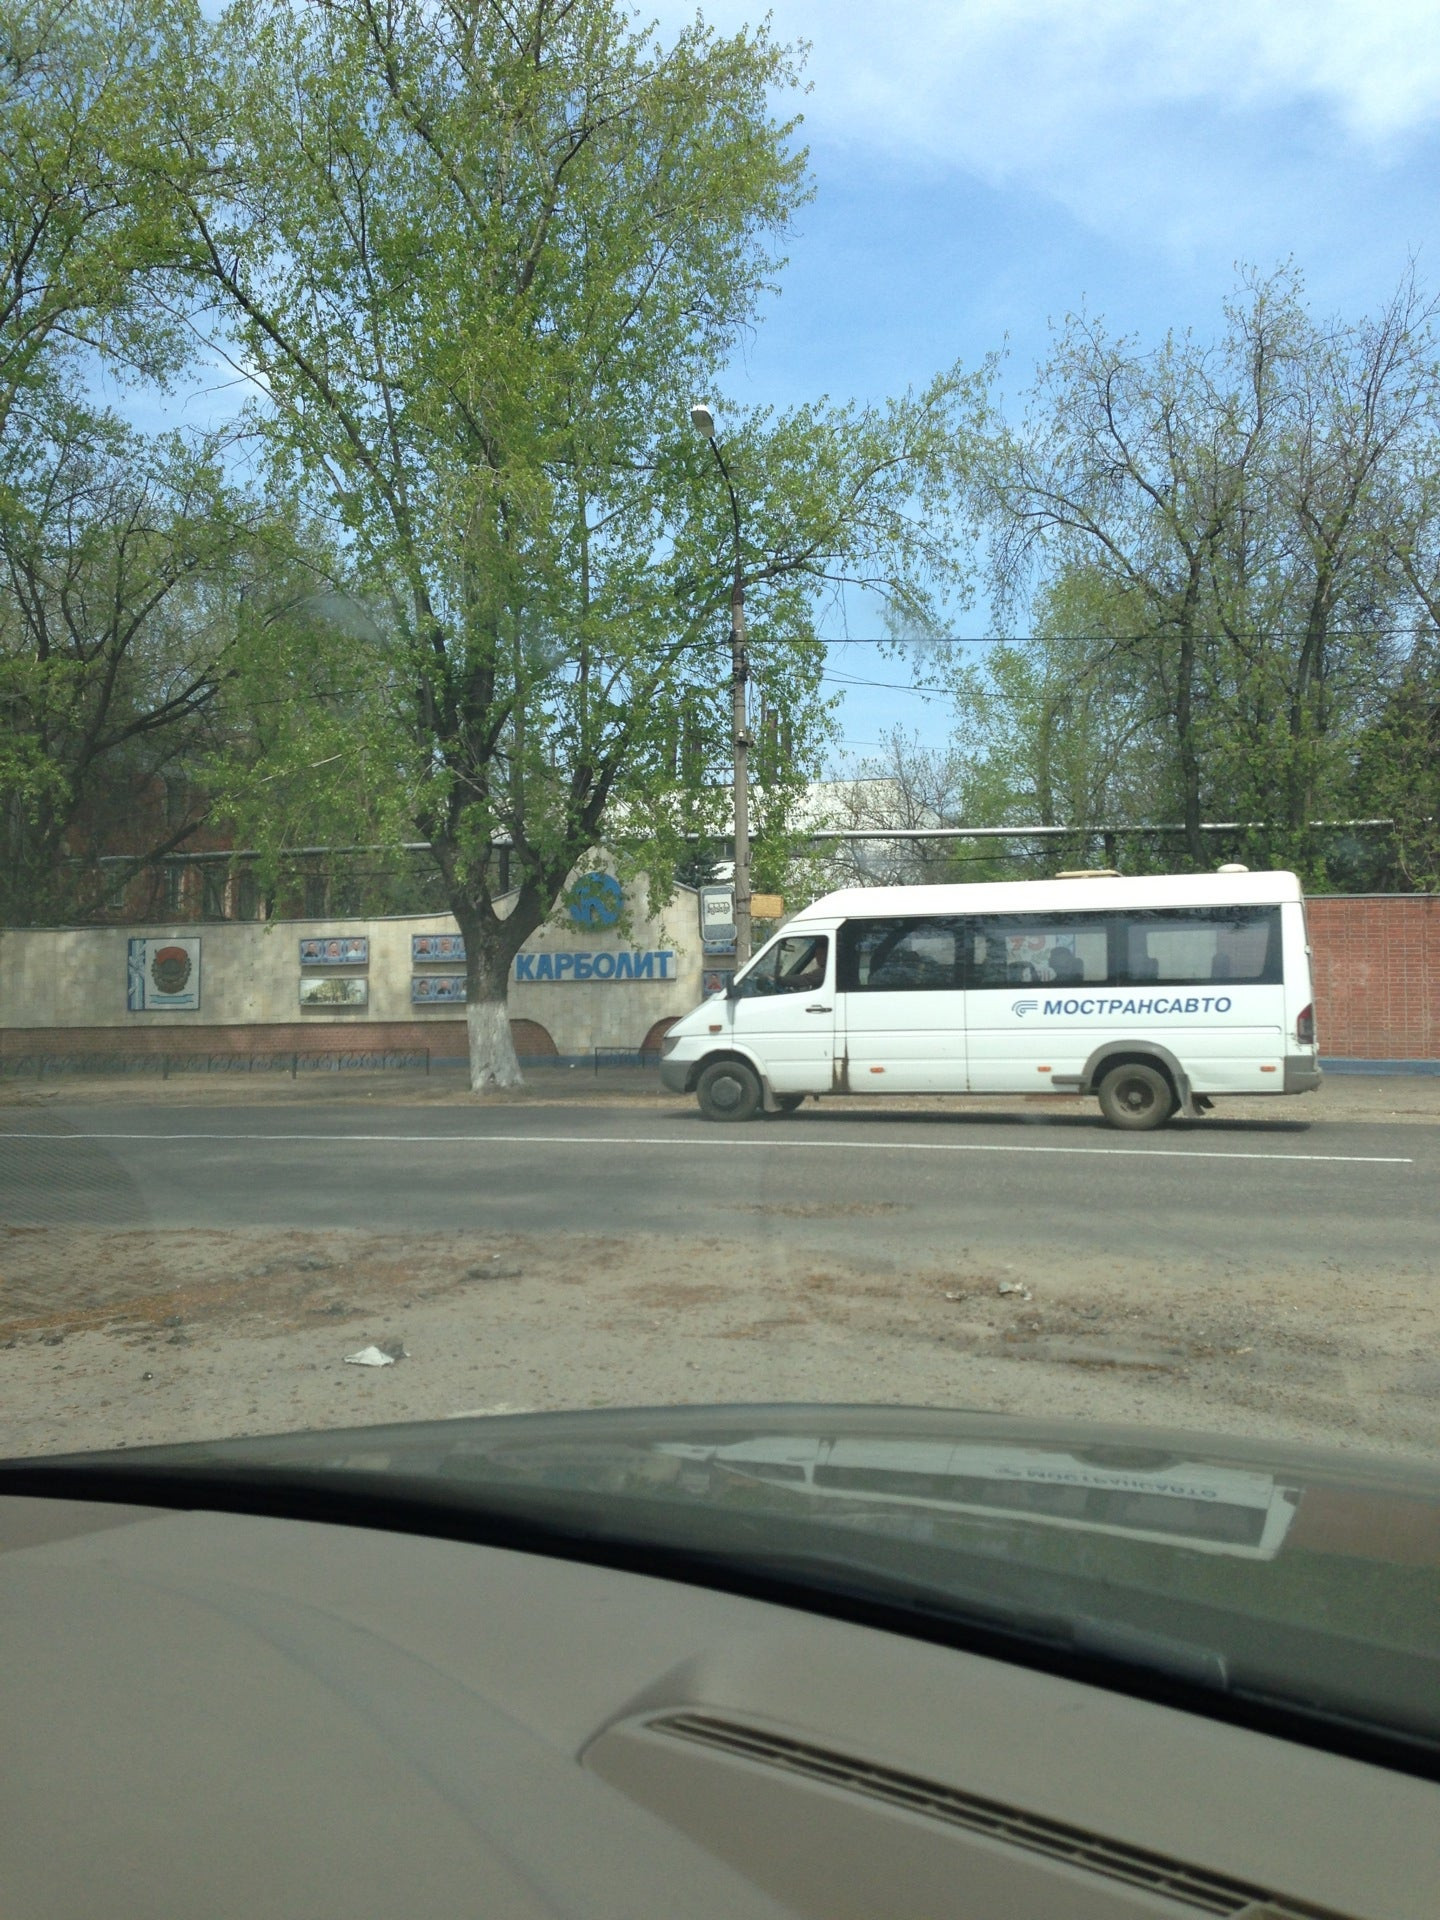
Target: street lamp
(703,421)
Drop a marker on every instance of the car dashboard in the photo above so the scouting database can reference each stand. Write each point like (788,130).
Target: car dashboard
(235,1713)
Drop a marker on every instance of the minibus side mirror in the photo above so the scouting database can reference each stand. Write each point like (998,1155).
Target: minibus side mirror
(732,988)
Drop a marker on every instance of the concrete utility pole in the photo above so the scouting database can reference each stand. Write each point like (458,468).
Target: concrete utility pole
(703,420)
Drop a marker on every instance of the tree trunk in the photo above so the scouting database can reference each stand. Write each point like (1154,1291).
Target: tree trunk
(491,1049)
(1185,741)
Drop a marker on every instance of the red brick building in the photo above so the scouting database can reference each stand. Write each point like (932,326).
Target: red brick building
(147,859)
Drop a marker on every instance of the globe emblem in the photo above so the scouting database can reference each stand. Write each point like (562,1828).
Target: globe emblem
(596,900)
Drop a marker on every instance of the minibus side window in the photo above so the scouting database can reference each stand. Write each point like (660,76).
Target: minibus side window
(900,956)
(1195,946)
(795,965)
(1013,950)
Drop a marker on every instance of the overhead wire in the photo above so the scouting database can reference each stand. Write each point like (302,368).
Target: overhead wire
(892,686)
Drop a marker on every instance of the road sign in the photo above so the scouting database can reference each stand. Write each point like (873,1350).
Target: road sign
(717,918)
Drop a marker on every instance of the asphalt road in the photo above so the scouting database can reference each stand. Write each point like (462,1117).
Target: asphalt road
(1357,1194)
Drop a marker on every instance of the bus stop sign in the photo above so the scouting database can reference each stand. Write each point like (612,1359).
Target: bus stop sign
(717,919)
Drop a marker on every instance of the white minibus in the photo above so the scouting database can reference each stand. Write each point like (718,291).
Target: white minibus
(1125,1491)
(1155,994)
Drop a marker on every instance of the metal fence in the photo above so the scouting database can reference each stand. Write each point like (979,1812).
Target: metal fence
(38,1066)
(626,1057)
(42,1066)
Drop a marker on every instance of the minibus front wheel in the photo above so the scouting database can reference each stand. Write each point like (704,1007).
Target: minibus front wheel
(729,1090)
(1137,1097)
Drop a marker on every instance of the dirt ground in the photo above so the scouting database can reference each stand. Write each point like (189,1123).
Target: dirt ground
(207,1333)
(195,1334)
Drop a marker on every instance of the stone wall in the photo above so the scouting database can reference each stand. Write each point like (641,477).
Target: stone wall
(65,989)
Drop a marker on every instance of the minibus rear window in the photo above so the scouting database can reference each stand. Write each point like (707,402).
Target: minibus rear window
(1192,947)
(1169,946)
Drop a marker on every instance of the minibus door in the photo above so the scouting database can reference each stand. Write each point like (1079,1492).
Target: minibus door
(903,1010)
(783,1013)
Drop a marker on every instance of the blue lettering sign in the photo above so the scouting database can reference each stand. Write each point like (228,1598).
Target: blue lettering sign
(655,965)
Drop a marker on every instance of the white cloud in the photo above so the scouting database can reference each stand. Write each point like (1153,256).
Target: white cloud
(1096,102)
(929,70)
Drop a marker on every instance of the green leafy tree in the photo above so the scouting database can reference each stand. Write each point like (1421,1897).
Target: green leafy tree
(1220,529)
(87,233)
(478,260)
(1397,772)
(111,544)
(1063,730)
(131,570)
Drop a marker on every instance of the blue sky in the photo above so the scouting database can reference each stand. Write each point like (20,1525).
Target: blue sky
(983,166)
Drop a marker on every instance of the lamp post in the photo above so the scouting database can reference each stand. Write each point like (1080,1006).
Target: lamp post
(703,421)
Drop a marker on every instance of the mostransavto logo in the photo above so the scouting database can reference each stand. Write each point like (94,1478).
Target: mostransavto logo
(1160,1003)
(1022,1007)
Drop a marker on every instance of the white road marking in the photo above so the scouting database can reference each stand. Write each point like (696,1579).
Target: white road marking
(768,1143)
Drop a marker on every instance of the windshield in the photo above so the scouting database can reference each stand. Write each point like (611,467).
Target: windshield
(713,715)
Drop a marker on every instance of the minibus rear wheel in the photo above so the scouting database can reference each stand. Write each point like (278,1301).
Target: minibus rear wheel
(1136,1097)
(729,1090)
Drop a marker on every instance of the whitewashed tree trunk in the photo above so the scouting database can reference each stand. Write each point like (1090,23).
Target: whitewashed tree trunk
(492,1052)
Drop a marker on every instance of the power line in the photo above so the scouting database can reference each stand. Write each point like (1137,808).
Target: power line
(892,686)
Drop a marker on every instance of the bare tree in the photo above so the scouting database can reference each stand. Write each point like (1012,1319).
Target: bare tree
(907,786)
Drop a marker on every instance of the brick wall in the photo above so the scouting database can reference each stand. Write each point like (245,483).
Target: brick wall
(1377,975)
